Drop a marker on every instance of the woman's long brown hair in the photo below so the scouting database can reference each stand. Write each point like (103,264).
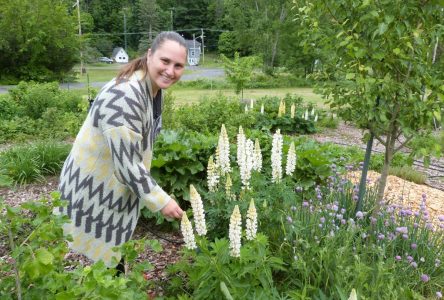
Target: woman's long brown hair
(141,63)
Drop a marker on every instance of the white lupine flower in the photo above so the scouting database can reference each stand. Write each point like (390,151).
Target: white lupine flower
(246,108)
(228,185)
(291,160)
(257,160)
(240,146)
(212,175)
(292,110)
(306,114)
(262,108)
(316,118)
(246,164)
(187,232)
(276,157)
(251,104)
(281,110)
(223,150)
(312,112)
(251,222)
(235,232)
(198,211)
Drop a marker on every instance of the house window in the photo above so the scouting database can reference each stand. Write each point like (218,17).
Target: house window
(192,53)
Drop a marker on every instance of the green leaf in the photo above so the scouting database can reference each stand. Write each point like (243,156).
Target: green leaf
(397,51)
(437,115)
(382,28)
(44,256)
(349,76)
(225,291)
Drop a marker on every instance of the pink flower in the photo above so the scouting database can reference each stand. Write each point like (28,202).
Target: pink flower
(425,278)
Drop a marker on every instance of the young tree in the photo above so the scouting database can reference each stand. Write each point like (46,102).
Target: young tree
(379,49)
(239,70)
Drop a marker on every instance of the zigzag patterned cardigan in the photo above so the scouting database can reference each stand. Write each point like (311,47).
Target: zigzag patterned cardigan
(106,178)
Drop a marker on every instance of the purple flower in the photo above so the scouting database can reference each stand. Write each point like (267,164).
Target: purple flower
(441,219)
(381,236)
(405,236)
(359,215)
(438,295)
(414,264)
(322,220)
(413,246)
(425,278)
(409,259)
(343,221)
(289,219)
(305,204)
(398,258)
(402,230)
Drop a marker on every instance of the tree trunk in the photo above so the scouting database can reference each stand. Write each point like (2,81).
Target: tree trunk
(388,156)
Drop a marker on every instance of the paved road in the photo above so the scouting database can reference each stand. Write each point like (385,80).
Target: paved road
(197,73)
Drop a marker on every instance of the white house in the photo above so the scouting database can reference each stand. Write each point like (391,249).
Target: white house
(119,55)
(194,51)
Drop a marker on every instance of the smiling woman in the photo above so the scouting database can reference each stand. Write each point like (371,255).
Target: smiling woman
(106,178)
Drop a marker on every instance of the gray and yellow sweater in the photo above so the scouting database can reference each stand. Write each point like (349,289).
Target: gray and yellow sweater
(106,178)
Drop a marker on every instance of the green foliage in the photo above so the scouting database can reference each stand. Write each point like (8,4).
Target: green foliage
(33,110)
(38,265)
(31,162)
(208,115)
(179,161)
(213,274)
(38,41)
(227,44)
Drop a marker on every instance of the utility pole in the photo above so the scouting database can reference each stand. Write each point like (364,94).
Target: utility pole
(80,37)
(124,28)
(171,14)
(203,45)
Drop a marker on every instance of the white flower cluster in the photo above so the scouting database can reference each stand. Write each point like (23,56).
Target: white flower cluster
(245,157)
(291,160)
(292,110)
(257,157)
(187,232)
(223,150)
(276,157)
(251,222)
(212,175)
(262,108)
(306,114)
(235,232)
(251,104)
(198,211)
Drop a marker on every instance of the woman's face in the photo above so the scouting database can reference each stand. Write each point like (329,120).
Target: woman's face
(166,64)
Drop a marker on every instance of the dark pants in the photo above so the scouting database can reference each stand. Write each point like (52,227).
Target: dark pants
(120,267)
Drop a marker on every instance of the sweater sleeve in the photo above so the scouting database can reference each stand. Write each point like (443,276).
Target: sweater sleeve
(121,115)
(125,146)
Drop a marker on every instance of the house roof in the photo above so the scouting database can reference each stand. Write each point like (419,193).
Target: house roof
(191,43)
(116,50)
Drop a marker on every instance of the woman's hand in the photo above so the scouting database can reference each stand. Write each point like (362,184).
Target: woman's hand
(172,210)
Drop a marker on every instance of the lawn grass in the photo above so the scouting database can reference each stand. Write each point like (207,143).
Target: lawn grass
(188,96)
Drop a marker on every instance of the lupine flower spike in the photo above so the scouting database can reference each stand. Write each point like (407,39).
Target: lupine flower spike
(251,104)
(246,108)
(257,160)
(276,157)
(292,110)
(198,211)
(251,222)
(246,163)
(240,145)
(306,115)
(223,150)
(235,232)
(262,108)
(228,185)
(187,233)
(312,112)
(291,160)
(316,118)
(212,175)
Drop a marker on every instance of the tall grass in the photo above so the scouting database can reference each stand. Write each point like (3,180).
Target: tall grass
(31,162)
